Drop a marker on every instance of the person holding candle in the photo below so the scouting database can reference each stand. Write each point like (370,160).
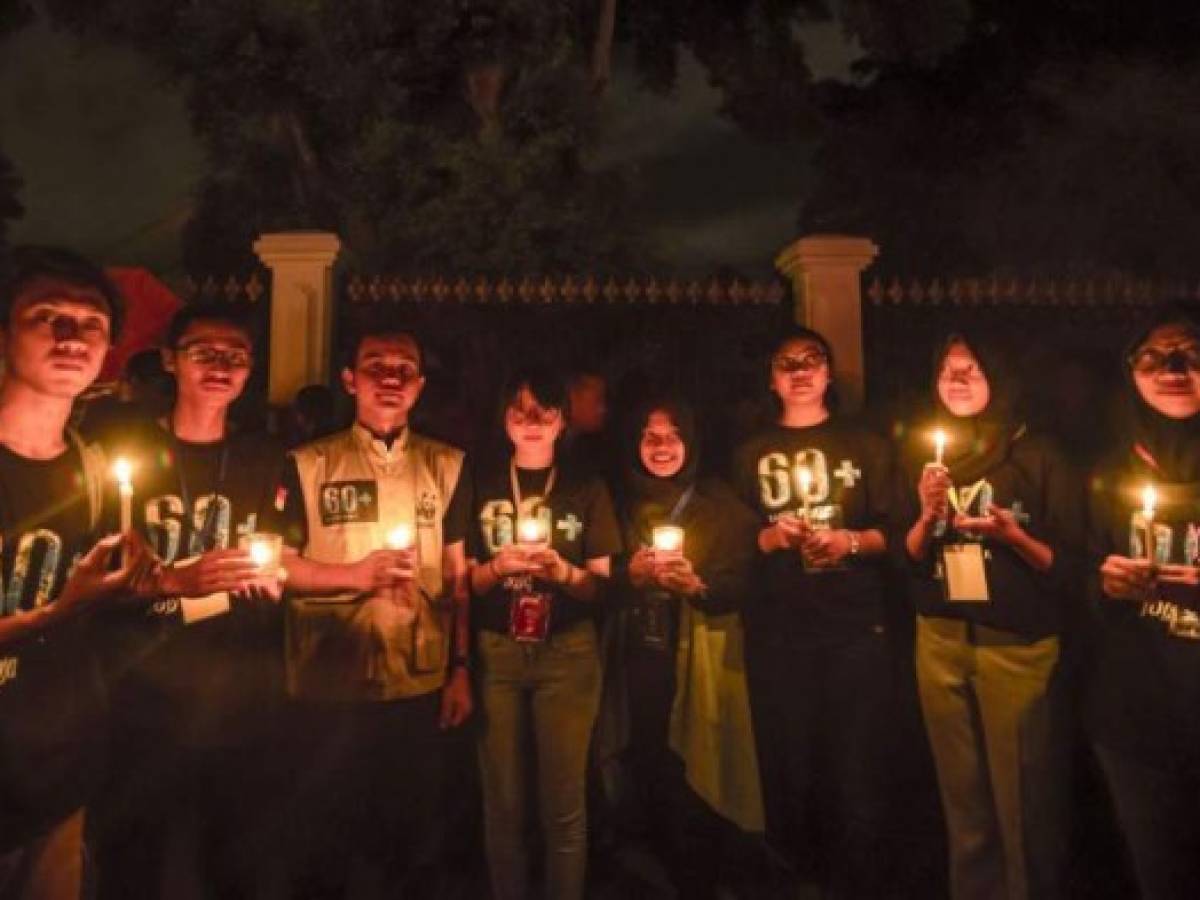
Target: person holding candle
(198,674)
(60,314)
(676,694)
(1144,686)
(542,541)
(993,532)
(377,636)
(821,486)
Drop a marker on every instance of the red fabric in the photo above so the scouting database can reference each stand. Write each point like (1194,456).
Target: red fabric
(149,306)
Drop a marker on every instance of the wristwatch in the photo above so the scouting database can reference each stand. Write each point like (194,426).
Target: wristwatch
(854,545)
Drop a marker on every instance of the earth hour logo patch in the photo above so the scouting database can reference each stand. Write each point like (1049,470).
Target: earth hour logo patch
(348,502)
(427,508)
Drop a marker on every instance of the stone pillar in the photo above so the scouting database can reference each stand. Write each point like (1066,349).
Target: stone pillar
(301,264)
(825,271)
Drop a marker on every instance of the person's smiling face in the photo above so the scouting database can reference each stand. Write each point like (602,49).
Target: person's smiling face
(661,448)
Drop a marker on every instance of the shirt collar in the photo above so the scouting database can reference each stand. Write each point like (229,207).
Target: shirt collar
(376,448)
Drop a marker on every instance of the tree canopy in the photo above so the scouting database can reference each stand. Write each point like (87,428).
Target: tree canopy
(455,134)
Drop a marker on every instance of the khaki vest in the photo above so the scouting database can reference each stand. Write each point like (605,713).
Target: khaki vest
(390,644)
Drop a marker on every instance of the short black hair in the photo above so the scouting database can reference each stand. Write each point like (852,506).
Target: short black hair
(544,382)
(379,327)
(27,263)
(235,315)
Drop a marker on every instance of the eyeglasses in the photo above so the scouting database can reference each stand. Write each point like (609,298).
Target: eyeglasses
(405,373)
(207,355)
(1151,360)
(533,416)
(805,362)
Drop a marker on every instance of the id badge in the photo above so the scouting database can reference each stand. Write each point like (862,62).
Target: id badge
(966,577)
(529,616)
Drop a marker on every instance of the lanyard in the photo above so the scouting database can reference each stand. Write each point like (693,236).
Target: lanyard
(206,534)
(681,504)
(1147,457)
(516,484)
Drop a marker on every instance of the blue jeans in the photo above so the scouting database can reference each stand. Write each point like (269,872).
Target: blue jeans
(549,691)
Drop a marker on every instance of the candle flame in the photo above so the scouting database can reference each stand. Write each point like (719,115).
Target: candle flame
(260,553)
(530,531)
(939,442)
(1149,501)
(804,474)
(400,537)
(123,471)
(668,538)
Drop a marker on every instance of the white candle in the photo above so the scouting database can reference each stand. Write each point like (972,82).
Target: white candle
(1149,501)
(939,446)
(400,537)
(529,530)
(668,538)
(123,472)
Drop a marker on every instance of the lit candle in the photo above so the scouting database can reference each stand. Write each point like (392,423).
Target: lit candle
(265,550)
(529,530)
(939,446)
(400,537)
(804,476)
(123,472)
(668,538)
(1149,501)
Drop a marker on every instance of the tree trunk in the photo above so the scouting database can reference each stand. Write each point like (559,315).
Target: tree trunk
(602,46)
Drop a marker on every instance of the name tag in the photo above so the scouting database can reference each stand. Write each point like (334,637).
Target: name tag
(348,502)
(966,577)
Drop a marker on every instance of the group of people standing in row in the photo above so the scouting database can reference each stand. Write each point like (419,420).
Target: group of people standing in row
(716,653)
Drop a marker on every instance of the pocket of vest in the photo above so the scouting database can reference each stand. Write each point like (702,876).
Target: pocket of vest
(428,638)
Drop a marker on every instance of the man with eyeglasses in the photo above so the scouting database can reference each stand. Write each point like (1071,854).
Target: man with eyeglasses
(377,635)
(199,670)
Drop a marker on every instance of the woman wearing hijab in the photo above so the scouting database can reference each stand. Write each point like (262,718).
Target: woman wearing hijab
(678,659)
(540,555)
(994,521)
(1144,697)
(821,487)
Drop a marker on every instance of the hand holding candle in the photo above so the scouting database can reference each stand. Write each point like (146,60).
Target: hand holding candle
(265,551)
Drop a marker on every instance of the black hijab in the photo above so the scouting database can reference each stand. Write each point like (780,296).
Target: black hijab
(1172,444)
(649,499)
(977,444)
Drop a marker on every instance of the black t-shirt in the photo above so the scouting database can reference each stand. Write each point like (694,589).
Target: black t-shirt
(852,487)
(209,681)
(1144,690)
(578,515)
(1033,480)
(51,694)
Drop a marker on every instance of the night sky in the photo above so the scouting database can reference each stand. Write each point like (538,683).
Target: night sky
(109,164)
